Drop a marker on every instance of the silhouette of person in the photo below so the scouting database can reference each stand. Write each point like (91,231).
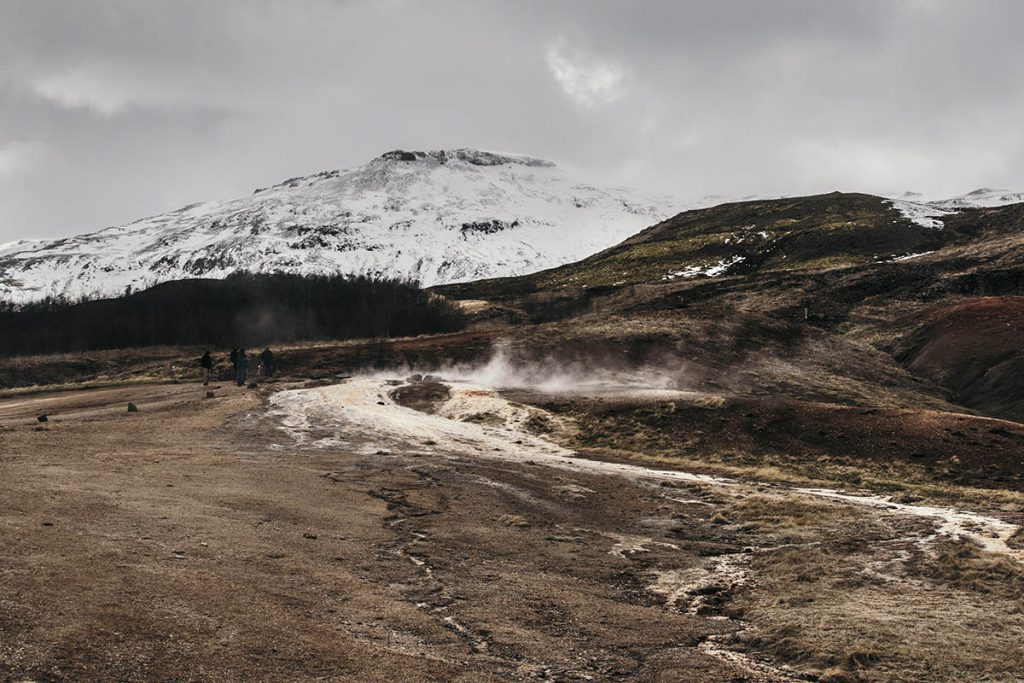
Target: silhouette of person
(267,358)
(242,369)
(206,363)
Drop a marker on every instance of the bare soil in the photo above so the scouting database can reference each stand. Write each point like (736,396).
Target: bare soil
(174,544)
(203,539)
(974,347)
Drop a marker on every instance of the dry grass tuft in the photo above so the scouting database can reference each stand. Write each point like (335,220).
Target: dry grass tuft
(966,567)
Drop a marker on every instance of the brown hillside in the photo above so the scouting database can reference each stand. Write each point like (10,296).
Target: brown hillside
(975,348)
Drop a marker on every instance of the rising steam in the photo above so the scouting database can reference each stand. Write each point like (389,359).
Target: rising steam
(553,375)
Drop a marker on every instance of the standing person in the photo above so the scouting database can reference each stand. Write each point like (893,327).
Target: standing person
(206,363)
(233,357)
(267,357)
(242,369)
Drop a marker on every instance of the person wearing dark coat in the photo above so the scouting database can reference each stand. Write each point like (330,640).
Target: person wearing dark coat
(267,359)
(206,363)
(241,368)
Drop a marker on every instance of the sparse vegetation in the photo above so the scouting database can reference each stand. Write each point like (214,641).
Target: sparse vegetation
(851,610)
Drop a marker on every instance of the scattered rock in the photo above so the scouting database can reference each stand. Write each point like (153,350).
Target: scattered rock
(573,492)
(564,539)
(132,408)
(514,520)
(210,394)
(254,385)
(908,499)
(47,523)
(43,418)
(381,403)
(310,536)
(429,442)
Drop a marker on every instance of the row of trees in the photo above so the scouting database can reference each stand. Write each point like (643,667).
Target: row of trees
(243,309)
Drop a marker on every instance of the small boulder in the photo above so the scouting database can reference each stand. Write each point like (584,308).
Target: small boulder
(43,418)
(210,394)
(254,385)
(514,521)
(132,408)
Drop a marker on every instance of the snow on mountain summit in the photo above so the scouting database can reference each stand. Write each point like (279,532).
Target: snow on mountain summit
(984,197)
(928,213)
(436,217)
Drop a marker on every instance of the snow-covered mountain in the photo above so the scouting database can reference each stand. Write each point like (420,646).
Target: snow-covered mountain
(436,217)
(985,197)
(981,198)
(929,212)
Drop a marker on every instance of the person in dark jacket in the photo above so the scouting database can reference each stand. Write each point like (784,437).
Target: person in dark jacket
(242,368)
(267,360)
(233,357)
(206,363)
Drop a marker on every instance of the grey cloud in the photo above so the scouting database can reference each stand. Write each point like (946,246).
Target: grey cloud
(115,109)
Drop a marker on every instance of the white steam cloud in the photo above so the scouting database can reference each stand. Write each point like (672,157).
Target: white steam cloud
(551,375)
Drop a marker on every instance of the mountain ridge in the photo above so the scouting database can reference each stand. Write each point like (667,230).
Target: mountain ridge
(434,217)
(437,217)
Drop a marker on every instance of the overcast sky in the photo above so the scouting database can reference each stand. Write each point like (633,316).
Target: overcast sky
(111,110)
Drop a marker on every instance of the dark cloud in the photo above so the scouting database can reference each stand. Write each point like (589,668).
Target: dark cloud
(115,109)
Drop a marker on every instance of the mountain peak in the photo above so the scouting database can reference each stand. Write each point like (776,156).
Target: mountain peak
(474,157)
(433,216)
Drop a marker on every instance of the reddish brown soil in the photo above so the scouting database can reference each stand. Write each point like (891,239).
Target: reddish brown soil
(975,348)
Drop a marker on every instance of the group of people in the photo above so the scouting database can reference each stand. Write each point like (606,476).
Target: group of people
(239,365)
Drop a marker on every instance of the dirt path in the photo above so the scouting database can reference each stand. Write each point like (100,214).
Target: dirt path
(329,533)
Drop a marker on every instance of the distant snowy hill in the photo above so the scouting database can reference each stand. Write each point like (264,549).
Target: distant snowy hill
(436,217)
(982,198)
(929,213)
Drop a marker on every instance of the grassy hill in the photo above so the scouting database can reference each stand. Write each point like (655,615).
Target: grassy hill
(792,235)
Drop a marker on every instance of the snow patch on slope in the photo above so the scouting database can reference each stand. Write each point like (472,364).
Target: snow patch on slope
(705,269)
(925,215)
